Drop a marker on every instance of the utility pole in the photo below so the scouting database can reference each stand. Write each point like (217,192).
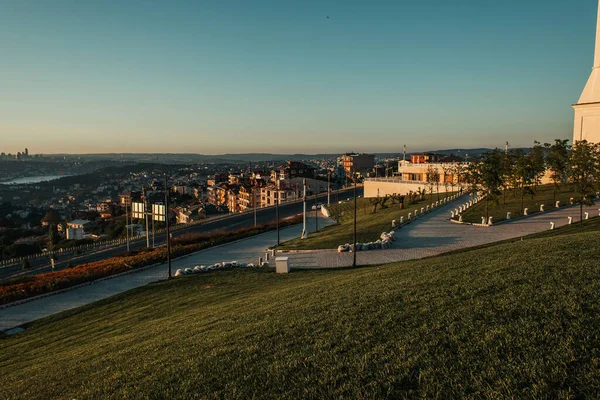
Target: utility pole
(167,226)
(254,196)
(354,236)
(328,183)
(127,222)
(304,236)
(152,216)
(316,203)
(277,216)
(146,216)
(277,210)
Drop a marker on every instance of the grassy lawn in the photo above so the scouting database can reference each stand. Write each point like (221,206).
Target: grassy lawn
(369,226)
(516,320)
(544,195)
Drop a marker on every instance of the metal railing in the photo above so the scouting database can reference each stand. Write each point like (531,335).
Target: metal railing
(105,244)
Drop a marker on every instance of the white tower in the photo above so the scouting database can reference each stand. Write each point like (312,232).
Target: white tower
(587,109)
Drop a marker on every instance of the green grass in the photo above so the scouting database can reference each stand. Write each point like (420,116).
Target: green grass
(369,225)
(544,195)
(516,320)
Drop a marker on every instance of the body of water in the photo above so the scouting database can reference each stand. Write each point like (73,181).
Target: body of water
(33,179)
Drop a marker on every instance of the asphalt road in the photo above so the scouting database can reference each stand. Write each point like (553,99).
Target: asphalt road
(233,222)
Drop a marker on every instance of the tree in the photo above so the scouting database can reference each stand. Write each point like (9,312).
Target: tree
(446,173)
(490,175)
(53,236)
(557,159)
(25,265)
(537,162)
(524,174)
(512,175)
(51,217)
(584,172)
(433,178)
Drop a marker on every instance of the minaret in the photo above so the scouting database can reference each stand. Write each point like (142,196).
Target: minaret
(587,109)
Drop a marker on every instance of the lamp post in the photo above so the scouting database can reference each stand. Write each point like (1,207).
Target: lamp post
(316,203)
(167,226)
(277,194)
(354,237)
(328,185)
(146,215)
(277,216)
(254,196)
(304,236)
(127,222)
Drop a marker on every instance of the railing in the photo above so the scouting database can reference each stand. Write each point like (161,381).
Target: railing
(399,180)
(105,244)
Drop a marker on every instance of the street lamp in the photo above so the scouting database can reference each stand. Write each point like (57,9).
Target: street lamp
(254,203)
(354,238)
(167,226)
(316,203)
(277,215)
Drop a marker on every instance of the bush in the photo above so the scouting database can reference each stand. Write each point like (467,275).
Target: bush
(189,243)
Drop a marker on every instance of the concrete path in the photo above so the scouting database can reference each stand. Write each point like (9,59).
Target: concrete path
(243,251)
(434,234)
(430,235)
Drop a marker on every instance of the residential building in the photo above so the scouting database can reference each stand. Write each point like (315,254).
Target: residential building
(247,197)
(126,199)
(357,163)
(186,215)
(270,194)
(75,233)
(292,169)
(425,158)
(218,178)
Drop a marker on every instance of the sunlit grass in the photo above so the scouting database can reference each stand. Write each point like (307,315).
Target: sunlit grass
(516,320)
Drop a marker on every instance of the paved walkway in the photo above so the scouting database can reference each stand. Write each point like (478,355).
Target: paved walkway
(432,234)
(244,251)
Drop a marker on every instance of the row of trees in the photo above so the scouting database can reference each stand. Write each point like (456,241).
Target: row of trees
(498,172)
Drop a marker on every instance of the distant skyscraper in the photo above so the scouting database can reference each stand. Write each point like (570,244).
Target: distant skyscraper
(587,109)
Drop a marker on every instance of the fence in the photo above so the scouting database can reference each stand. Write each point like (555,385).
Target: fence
(104,244)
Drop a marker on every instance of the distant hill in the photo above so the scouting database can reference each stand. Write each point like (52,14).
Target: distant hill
(179,158)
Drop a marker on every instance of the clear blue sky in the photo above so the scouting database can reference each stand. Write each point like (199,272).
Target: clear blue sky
(219,76)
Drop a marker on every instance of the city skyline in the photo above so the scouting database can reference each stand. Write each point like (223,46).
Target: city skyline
(277,78)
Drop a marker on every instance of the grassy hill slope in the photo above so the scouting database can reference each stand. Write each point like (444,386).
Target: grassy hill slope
(519,319)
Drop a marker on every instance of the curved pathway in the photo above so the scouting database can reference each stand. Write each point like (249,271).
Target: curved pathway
(430,235)
(433,234)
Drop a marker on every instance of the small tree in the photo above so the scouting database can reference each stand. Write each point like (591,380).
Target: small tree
(490,175)
(557,159)
(433,179)
(446,173)
(537,163)
(525,174)
(51,217)
(584,172)
(53,236)
(25,265)
(507,173)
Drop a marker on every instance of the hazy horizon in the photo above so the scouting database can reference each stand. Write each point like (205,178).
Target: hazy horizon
(282,77)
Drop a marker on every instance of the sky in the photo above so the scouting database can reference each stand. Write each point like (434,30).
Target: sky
(214,77)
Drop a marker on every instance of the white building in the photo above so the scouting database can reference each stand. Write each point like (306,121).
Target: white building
(587,109)
(412,177)
(75,233)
